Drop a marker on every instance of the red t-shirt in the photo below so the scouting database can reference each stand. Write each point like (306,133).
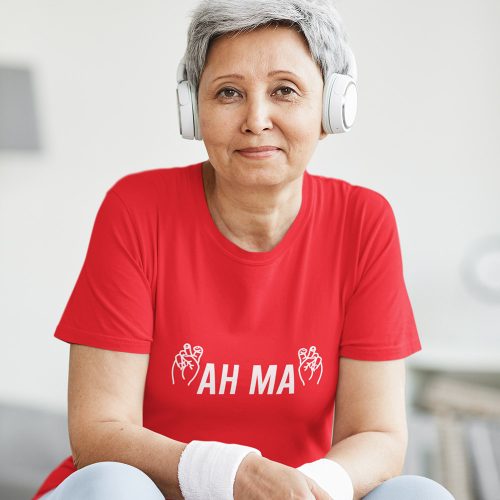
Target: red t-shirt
(244,346)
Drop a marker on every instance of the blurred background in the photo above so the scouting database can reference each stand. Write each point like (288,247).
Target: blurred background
(87,95)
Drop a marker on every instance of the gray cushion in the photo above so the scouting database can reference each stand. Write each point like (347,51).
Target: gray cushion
(33,442)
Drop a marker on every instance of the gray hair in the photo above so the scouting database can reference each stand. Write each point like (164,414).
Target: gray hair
(317,20)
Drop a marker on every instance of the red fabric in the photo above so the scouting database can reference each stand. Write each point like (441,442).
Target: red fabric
(244,346)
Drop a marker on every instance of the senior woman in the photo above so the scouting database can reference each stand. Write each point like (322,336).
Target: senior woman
(225,308)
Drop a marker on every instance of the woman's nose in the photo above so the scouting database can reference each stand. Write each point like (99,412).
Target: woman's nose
(257,115)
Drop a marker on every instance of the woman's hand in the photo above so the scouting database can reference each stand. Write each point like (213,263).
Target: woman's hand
(259,478)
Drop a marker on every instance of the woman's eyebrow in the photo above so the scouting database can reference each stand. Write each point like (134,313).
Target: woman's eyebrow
(271,73)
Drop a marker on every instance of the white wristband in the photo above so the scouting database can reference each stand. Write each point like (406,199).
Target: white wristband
(331,476)
(207,469)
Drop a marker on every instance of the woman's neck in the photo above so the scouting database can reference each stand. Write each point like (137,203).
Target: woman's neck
(252,222)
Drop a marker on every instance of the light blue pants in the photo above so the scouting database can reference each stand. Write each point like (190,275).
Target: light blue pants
(117,481)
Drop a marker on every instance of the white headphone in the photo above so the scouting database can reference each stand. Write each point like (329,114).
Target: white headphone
(340,101)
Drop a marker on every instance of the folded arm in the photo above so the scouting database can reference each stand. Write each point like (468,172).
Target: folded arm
(105,399)
(370,433)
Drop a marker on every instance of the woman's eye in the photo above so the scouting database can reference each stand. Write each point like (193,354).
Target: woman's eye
(227,93)
(289,90)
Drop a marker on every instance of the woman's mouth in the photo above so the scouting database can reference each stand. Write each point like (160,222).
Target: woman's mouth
(260,152)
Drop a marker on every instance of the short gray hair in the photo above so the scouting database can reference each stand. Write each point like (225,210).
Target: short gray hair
(317,20)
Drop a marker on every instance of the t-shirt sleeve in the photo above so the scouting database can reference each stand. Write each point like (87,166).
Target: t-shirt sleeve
(378,324)
(110,306)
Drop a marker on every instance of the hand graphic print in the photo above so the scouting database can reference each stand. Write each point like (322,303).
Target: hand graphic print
(188,361)
(310,362)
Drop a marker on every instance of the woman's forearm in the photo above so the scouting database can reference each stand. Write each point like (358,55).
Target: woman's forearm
(370,458)
(153,453)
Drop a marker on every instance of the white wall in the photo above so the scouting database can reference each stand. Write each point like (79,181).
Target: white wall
(426,137)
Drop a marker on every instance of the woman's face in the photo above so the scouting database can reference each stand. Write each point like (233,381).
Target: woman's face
(260,88)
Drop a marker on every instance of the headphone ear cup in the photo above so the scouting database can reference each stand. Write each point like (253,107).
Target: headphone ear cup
(340,98)
(184,110)
(340,102)
(187,109)
(196,120)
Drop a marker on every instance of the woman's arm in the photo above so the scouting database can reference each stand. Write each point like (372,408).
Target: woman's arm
(370,432)
(105,398)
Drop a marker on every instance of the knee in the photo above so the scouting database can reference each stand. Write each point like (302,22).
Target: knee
(410,487)
(113,473)
(109,480)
